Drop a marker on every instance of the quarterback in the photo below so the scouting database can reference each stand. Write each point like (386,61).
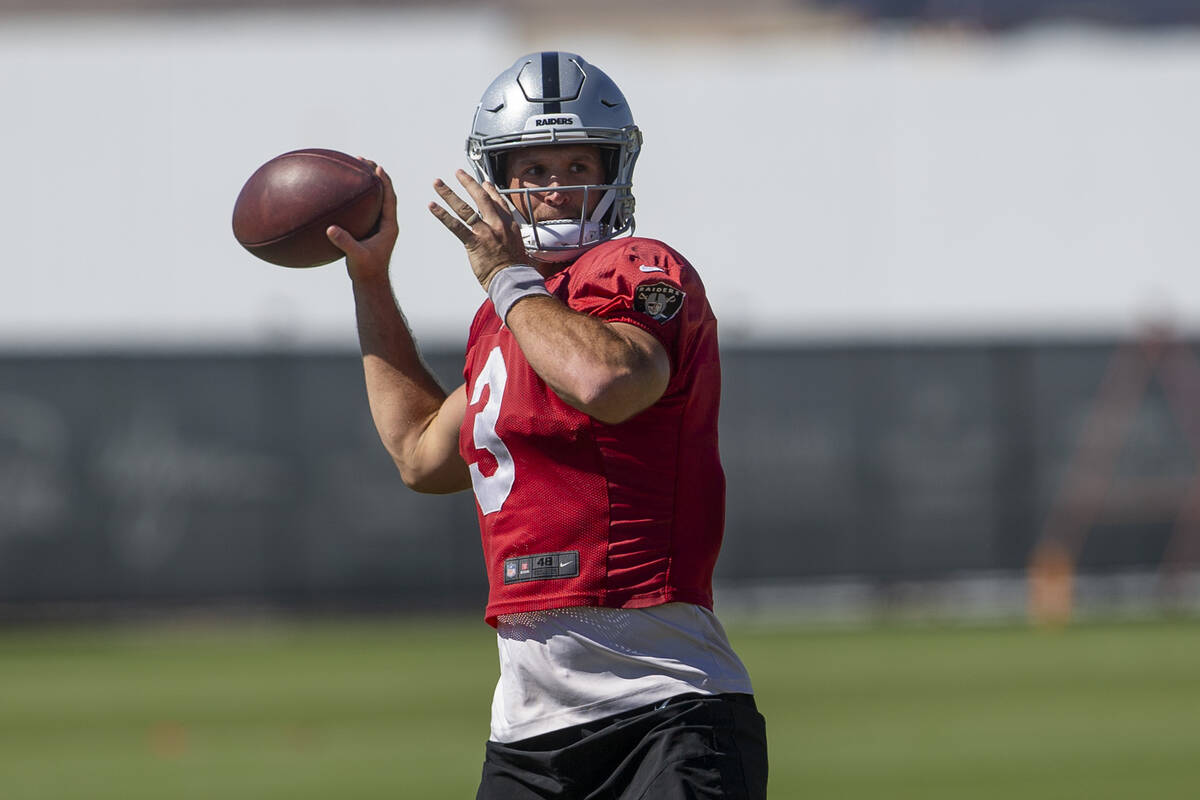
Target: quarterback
(586,426)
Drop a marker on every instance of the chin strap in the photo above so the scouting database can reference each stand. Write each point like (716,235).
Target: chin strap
(604,205)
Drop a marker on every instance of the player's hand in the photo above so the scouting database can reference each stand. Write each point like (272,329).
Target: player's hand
(492,236)
(368,259)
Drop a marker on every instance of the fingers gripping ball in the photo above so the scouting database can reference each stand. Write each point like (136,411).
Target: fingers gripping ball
(283,210)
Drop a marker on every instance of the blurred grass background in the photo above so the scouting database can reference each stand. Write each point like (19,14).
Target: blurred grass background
(398,708)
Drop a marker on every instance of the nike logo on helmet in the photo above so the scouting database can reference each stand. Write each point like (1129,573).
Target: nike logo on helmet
(648,268)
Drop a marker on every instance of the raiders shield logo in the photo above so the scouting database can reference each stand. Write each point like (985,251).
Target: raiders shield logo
(661,301)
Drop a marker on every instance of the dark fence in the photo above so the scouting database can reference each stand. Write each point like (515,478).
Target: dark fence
(163,479)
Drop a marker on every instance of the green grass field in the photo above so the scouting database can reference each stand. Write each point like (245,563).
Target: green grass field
(398,709)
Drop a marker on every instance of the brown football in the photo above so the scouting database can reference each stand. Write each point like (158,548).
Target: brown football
(283,210)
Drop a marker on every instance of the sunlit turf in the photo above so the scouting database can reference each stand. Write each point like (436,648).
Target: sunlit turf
(398,709)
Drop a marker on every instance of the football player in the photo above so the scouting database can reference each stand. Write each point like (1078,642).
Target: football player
(587,427)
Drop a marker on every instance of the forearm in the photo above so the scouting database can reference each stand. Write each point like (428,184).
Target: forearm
(403,395)
(594,366)
(610,371)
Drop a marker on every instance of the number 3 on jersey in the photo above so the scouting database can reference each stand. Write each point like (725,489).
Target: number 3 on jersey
(491,490)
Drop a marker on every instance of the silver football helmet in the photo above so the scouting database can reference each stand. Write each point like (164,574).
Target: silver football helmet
(558,98)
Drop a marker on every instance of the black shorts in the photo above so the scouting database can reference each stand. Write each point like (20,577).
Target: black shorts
(691,746)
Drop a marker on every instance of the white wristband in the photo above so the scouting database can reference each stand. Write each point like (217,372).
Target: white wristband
(513,283)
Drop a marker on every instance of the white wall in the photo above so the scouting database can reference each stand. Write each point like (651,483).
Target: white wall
(862,185)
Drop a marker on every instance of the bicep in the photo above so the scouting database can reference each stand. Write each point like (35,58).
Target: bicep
(653,364)
(650,368)
(607,370)
(438,467)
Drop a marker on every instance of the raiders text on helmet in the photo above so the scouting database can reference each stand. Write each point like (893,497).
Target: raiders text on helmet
(558,98)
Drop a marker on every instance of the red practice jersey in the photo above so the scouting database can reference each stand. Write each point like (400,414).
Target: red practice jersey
(575,512)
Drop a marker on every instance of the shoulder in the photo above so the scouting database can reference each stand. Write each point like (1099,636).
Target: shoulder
(635,258)
(633,250)
(636,279)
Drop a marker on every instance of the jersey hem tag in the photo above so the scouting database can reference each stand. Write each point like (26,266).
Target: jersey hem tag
(541,567)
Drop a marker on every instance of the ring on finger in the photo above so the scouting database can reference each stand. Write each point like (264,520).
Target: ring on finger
(471,220)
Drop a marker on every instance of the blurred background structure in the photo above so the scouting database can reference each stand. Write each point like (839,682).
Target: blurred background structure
(952,246)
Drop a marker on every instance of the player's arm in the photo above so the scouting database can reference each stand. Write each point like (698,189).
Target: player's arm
(416,420)
(608,370)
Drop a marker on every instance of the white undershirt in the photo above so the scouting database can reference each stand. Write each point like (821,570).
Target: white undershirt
(566,666)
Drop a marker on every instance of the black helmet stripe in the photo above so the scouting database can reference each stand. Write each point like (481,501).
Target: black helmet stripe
(550,84)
